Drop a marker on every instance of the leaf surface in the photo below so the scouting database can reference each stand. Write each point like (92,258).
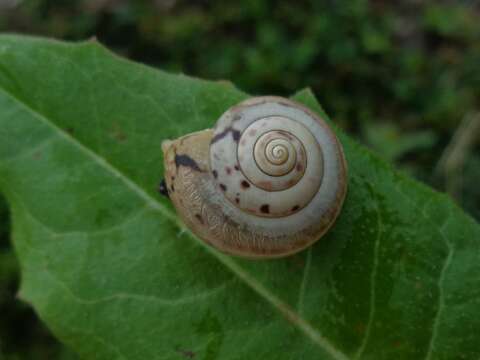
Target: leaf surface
(112,271)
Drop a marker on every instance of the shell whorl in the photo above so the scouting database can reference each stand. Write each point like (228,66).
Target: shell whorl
(268,181)
(266,157)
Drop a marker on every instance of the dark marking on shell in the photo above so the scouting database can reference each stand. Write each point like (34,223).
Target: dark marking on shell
(245,184)
(237,200)
(265,209)
(223,187)
(199,218)
(265,185)
(299,167)
(186,161)
(287,104)
(237,167)
(236,135)
(296,207)
(162,188)
(237,117)
(221,135)
(228,170)
(215,173)
(172,188)
(290,182)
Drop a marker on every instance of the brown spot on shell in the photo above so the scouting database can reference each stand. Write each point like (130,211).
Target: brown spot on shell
(286,104)
(199,218)
(237,200)
(287,135)
(290,183)
(223,187)
(221,135)
(299,167)
(267,185)
(296,207)
(237,167)
(236,135)
(228,170)
(186,161)
(215,173)
(245,184)
(265,209)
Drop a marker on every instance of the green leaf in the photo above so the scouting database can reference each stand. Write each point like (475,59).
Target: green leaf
(114,274)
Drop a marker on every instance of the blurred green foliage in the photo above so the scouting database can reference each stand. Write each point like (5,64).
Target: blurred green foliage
(399,76)
(21,334)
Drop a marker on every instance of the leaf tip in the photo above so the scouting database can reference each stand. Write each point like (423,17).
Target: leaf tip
(306,93)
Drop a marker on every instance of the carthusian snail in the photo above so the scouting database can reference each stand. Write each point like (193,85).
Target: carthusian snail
(267,181)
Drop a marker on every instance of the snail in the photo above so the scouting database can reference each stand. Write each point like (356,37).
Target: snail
(268,181)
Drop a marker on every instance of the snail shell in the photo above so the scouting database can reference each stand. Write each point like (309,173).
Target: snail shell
(267,181)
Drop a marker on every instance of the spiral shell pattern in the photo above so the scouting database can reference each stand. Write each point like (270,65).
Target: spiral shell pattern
(267,181)
(267,156)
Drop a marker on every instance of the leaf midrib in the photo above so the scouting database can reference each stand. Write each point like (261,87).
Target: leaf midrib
(285,310)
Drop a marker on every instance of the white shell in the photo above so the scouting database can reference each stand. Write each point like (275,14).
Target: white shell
(261,187)
(267,182)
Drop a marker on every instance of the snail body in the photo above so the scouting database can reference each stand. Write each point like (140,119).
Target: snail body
(267,181)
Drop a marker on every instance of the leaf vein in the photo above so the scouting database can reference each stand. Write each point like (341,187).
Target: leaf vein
(441,295)
(304,282)
(373,277)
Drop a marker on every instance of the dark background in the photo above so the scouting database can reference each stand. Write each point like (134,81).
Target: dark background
(402,77)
